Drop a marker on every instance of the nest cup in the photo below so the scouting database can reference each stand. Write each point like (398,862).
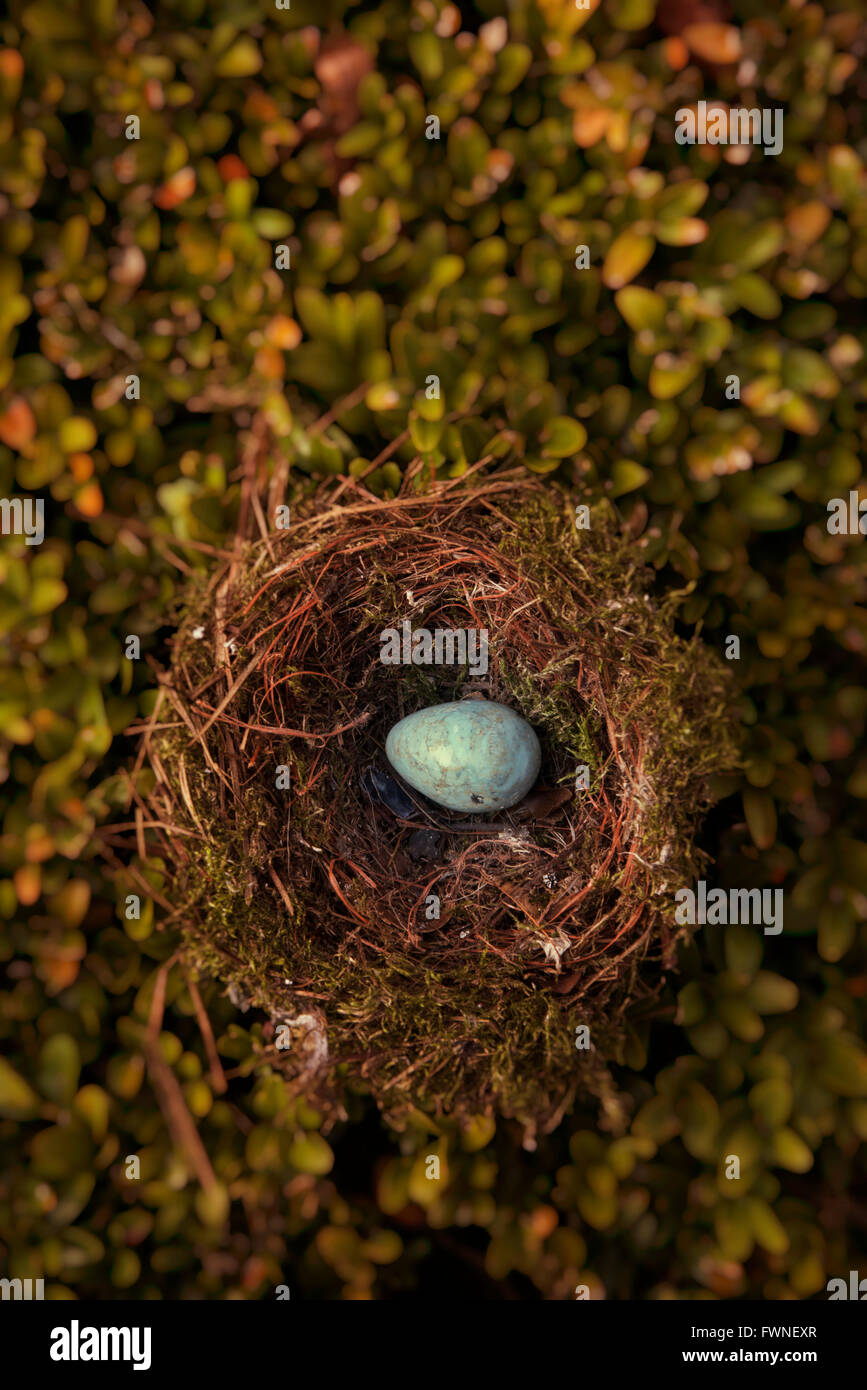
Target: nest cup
(451,980)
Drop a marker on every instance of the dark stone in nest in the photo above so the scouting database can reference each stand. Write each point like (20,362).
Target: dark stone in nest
(448,980)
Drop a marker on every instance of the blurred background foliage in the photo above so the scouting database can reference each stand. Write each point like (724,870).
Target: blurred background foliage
(299,139)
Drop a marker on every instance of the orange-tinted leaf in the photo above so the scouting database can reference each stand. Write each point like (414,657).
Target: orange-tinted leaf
(17,424)
(231,167)
(715,43)
(808,222)
(589,124)
(283,332)
(88,500)
(177,189)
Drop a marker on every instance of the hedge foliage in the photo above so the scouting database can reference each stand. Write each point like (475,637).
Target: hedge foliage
(405,255)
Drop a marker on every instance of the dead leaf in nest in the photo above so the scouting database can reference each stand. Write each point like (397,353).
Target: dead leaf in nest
(555,947)
(542,802)
(339,69)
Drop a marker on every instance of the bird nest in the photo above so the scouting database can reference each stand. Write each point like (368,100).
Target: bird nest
(453,964)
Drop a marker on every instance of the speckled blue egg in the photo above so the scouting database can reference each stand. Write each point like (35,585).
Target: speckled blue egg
(468,755)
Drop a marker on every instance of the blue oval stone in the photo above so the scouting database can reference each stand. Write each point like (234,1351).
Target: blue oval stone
(468,755)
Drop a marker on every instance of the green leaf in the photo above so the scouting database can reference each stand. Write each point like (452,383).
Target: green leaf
(61,1150)
(271,223)
(682,199)
(45,20)
(426,52)
(18,1100)
(691,1007)
(838,929)
(477,1132)
(757,296)
(93,1104)
(669,375)
(512,66)
(763,242)
(542,466)
(446,270)
(626,476)
(771,1100)
(733,1232)
(800,415)
(740,1019)
(771,993)
(429,408)
(314,311)
(807,371)
(562,438)
(844,1067)
(761,814)
(59,1066)
(241,60)
(76,435)
(627,256)
(311,1154)
(467,149)
(743,950)
(425,432)
(767,1227)
(46,594)
(212,1204)
(382,396)
(633,14)
(383,1247)
(789,1151)
(641,308)
(759,505)
(681,231)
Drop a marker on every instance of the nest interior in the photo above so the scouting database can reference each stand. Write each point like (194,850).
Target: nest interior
(303,890)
